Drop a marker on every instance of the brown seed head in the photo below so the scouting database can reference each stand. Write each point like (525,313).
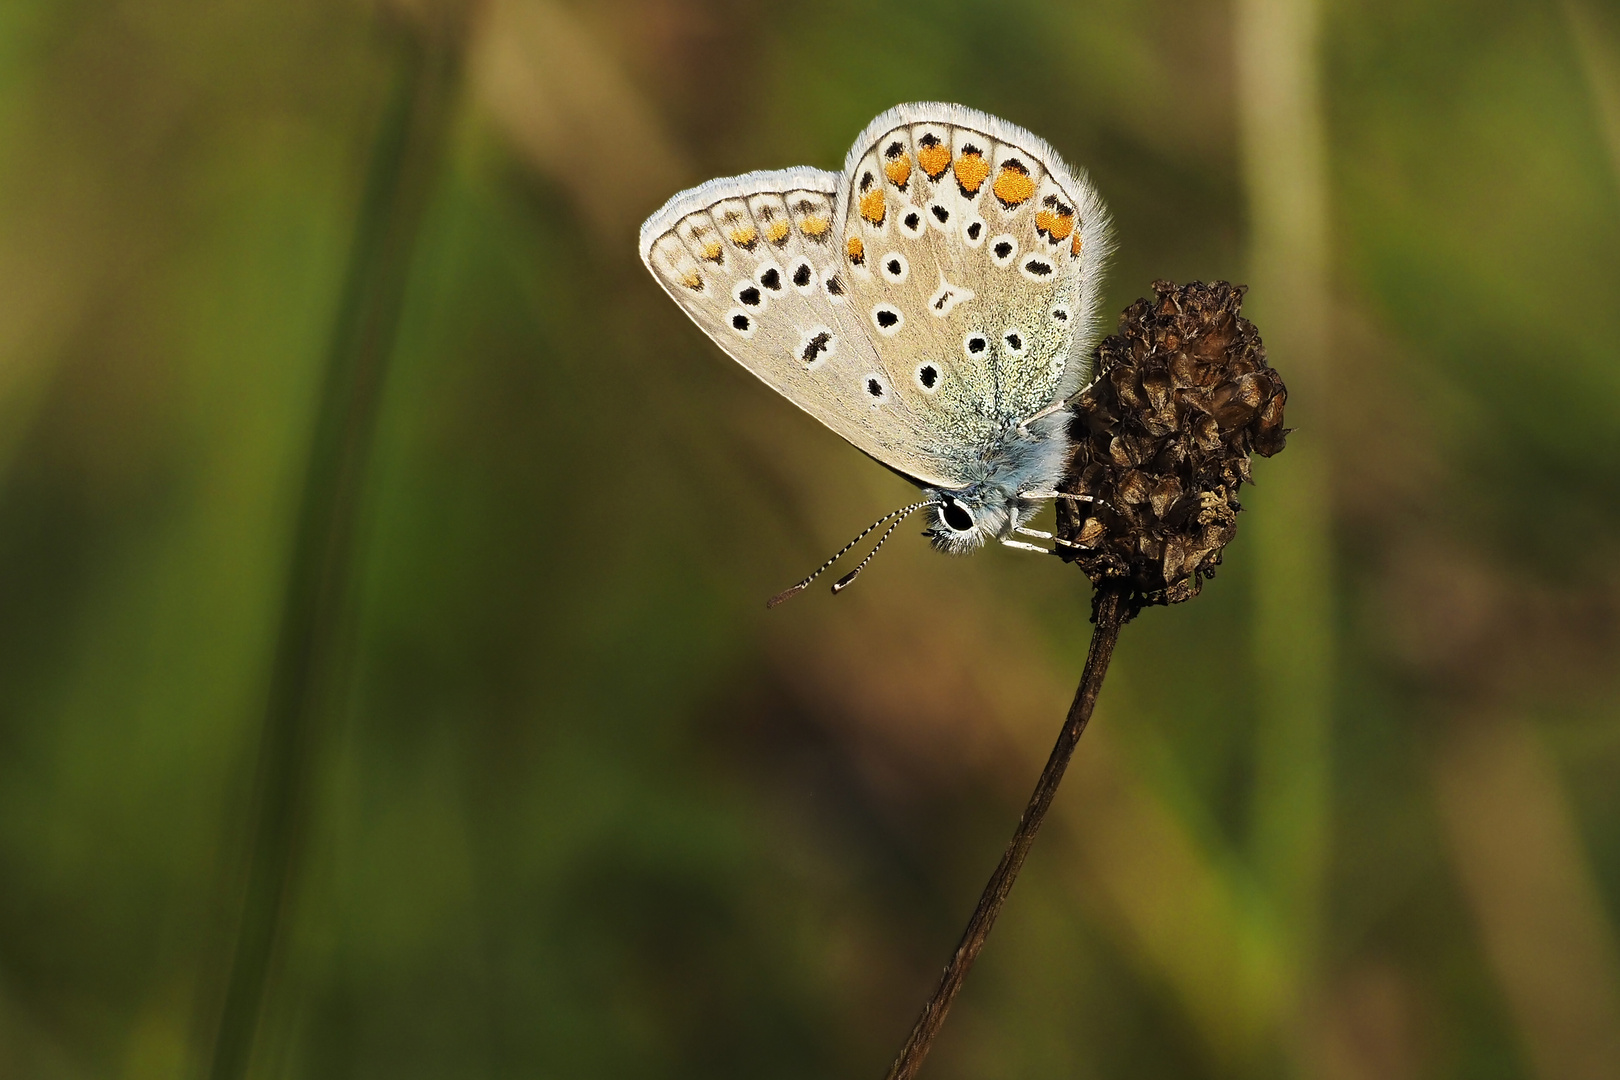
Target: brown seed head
(1162,440)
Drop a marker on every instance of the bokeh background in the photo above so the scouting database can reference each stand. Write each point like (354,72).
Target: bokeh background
(385,684)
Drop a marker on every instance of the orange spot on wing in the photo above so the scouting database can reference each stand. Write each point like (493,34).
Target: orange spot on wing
(1013,185)
(1057,226)
(934,159)
(856,250)
(711,250)
(971,169)
(815,225)
(744,235)
(1074,249)
(872,206)
(777,231)
(898,170)
(692,279)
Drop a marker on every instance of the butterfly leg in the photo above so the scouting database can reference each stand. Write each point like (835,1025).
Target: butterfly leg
(1055,407)
(1058,540)
(1058,406)
(1059,495)
(1021,546)
(1033,532)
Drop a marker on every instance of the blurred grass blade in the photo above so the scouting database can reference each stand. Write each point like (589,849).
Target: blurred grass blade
(1184,903)
(1284,159)
(1597,45)
(1518,854)
(561,97)
(404,164)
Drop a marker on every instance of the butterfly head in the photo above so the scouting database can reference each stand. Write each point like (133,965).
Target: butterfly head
(1017,473)
(963,521)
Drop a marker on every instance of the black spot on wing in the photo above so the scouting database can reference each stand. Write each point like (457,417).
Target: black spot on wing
(816,346)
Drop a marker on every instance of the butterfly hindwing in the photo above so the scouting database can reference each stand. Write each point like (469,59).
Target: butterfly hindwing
(987,248)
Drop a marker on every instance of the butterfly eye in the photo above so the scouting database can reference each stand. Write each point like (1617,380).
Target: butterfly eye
(1003,249)
(895,267)
(957,517)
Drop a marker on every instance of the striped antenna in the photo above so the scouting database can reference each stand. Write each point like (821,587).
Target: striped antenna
(898,516)
(844,582)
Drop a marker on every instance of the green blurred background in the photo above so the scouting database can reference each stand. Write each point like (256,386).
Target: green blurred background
(555,796)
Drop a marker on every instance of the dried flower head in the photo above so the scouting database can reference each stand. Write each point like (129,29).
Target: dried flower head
(1162,439)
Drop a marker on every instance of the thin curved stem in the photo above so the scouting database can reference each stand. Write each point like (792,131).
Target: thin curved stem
(1110,615)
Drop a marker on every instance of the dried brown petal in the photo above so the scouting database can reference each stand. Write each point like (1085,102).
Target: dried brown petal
(1207,433)
(1157,386)
(1165,493)
(1132,488)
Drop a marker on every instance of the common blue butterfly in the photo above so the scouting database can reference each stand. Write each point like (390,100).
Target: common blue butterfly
(935,304)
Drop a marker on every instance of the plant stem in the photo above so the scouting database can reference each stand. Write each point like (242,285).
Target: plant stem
(404,164)
(1110,613)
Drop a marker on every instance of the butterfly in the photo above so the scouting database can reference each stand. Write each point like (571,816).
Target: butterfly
(935,304)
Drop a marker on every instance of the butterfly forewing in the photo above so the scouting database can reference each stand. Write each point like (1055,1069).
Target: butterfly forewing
(755,261)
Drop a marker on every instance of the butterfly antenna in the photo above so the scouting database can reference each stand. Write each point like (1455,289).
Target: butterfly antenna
(899,516)
(844,582)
